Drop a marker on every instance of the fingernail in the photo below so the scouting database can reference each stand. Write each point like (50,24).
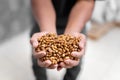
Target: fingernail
(55,65)
(67,62)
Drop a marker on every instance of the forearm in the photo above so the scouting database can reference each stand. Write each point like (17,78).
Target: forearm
(79,15)
(44,14)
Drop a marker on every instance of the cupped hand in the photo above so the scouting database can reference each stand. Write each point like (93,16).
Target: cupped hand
(38,55)
(71,63)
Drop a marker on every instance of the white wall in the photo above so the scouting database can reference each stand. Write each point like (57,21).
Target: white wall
(106,9)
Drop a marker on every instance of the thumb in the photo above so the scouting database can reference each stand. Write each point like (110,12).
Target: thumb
(34,42)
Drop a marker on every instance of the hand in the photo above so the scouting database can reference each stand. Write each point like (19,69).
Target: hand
(71,63)
(38,55)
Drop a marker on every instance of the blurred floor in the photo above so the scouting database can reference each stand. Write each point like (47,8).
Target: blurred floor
(102,59)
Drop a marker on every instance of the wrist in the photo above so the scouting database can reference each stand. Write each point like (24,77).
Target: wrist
(48,29)
(74,28)
(71,31)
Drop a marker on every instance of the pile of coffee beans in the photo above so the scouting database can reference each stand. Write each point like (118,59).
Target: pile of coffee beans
(58,48)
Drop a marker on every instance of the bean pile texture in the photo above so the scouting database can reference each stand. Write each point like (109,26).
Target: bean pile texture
(58,48)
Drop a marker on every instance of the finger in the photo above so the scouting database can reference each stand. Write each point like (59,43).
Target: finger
(39,54)
(71,63)
(83,41)
(78,54)
(63,65)
(52,66)
(34,42)
(59,68)
(45,64)
(34,38)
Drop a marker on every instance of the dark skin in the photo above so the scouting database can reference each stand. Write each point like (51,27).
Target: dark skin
(79,15)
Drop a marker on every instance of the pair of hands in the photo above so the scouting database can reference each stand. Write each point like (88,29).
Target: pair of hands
(67,63)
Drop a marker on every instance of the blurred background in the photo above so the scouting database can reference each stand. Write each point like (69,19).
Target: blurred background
(102,59)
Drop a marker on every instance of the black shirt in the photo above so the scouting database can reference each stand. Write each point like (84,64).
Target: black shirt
(63,7)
